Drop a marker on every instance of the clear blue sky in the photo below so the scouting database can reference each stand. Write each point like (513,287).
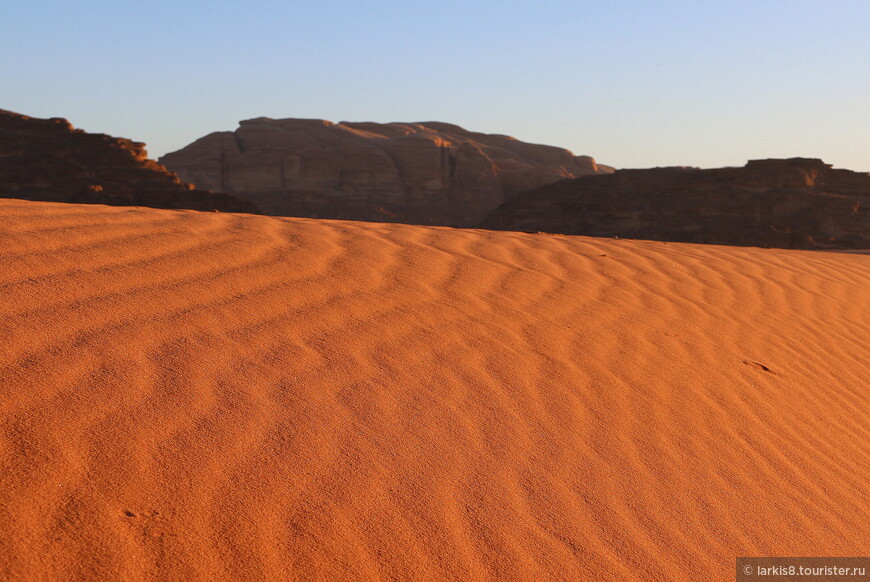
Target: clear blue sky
(632,83)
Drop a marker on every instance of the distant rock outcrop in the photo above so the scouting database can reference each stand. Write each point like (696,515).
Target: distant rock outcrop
(49,160)
(425,173)
(794,203)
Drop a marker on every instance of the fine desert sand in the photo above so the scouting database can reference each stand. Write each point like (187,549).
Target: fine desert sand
(204,396)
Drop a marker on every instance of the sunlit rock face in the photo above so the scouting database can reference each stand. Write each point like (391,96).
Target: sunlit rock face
(427,173)
(793,203)
(49,160)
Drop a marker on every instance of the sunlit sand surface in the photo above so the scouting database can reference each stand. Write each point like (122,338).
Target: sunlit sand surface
(204,396)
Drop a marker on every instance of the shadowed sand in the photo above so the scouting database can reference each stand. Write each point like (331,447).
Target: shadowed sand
(202,396)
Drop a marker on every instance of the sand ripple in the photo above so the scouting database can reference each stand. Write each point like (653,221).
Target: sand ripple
(200,396)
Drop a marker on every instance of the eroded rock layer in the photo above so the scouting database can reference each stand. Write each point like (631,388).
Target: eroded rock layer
(427,173)
(793,203)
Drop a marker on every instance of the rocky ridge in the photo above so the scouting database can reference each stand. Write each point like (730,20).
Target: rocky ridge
(791,203)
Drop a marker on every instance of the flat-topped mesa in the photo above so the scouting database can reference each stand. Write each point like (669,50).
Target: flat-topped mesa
(426,173)
(791,203)
(49,160)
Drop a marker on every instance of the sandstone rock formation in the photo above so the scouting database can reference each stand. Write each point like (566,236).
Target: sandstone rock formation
(794,203)
(426,173)
(49,160)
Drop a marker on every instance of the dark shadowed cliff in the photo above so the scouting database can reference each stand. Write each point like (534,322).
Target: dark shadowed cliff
(49,160)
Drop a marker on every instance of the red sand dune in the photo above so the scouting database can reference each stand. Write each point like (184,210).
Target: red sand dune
(203,396)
